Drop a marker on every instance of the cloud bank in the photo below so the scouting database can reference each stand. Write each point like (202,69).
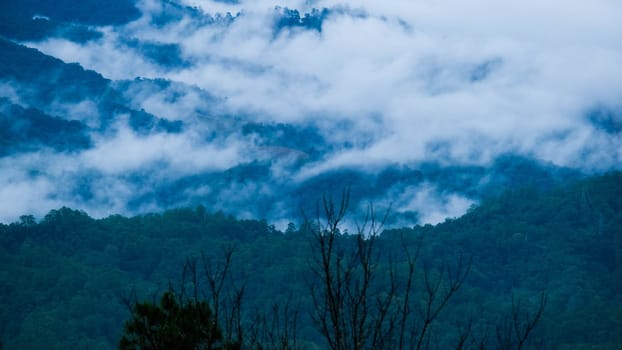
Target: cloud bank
(383,83)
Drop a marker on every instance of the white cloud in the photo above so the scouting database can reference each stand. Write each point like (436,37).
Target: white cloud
(26,188)
(22,196)
(431,205)
(449,81)
(171,155)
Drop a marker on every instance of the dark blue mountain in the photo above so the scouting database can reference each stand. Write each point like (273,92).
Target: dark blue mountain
(31,130)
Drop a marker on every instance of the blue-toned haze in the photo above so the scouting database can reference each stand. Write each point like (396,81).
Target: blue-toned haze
(255,107)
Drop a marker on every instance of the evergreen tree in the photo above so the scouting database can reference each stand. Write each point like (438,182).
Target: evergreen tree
(175,323)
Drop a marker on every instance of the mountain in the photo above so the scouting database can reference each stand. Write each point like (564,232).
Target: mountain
(32,129)
(126,83)
(479,133)
(272,154)
(36,20)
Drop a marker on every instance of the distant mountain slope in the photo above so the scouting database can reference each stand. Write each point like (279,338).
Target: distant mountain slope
(37,19)
(30,129)
(85,11)
(274,152)
(237,160)
(44,79)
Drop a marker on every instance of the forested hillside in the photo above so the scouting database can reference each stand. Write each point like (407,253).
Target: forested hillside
(64,276)
(188,160)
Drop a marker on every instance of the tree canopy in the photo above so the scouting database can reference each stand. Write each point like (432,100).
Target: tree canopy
(64,275)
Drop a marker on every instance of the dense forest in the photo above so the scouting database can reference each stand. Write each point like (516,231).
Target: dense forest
(67,279)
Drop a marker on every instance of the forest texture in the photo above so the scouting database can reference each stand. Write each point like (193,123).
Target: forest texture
(65,276)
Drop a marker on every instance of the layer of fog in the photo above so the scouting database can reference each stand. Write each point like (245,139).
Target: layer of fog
(482,79)
(398,82)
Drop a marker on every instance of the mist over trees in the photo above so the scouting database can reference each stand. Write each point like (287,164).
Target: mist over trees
(67,274)
(157,156)
(192,92)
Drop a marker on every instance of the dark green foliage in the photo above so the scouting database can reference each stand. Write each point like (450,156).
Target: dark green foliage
(565,241)
(175,323)
(62,277)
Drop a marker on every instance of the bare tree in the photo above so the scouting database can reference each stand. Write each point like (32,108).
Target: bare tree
(438,289)
(275,330)
(349,314)
(514,332)
(224,296)
(363,299)
(359,302)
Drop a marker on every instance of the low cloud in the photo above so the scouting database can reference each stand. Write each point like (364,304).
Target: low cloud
(25,195)
(171,154)
(431,205)
(384,82)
